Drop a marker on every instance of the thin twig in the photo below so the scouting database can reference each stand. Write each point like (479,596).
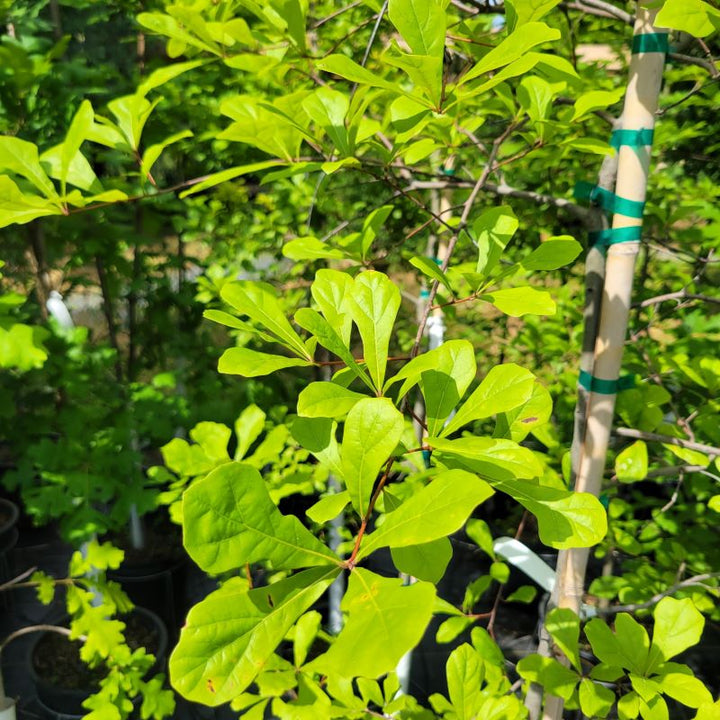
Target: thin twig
(667,440)
(695,581)
(679,295)
(18,579)
(467,208)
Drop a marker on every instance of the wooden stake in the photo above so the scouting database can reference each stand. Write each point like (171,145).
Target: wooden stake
(641,101)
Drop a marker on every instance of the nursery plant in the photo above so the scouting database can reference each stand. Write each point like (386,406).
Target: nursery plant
(414,98)
(92,603)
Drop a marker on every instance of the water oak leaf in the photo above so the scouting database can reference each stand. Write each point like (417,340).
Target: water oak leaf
(555,678)
(421,24)
(595,700)
(465,671)
(426,561)
(231,634)
(317,435)
(329,507)
(373,429)
(520,301)
(678,626)
(251,363)
(566,519)
(512,48)
(16,207)
(385,619)
(374,304)
(628,647)
(503,388)
(248,426)
(437,510)
(326,399)
(328,337)
(229,519)
(495,460)
(552,254)
(631,463)
(492,231)
(564,627)
(21,157)
(331,290)
(695,17)
(519,12)
(259,302)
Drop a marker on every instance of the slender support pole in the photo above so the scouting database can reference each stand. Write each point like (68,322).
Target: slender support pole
(641,102)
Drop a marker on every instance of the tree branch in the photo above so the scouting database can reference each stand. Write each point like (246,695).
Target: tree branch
(667,440)
(679,295)
(696,580)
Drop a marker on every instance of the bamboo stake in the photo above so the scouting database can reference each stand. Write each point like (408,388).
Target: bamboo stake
(641,102)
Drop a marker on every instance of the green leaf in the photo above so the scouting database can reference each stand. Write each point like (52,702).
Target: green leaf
(251,363)
(326,335)
(595,700)
(454,359)
(163,24)
(393,615)
(346,68)
(437,510)
(686,689)
(326,399)
(564,627)
(373,429)
(165,74)
(451,628)
(555,678)
(628,647)
(492,231)
(535,96)
(21,157)
(310,248)
(131,113)
(515,424)
(329,507)
(465,672)
(213,438)
(678,626)
(328,108)
(503,388)
(565,519)
(421,24)
(375,301)
(230,635)
(512,48)
(479,532)
(371,227)
(430,268)
(151,155)
(553,254)
(306,630)
(519,12)
(427,561)
(631,463)
(79,173)
(595,100)
(248,426)
(629,706)
(425,72)
(261,126)
(520,301)
(229,518)
(259,302)
(495,460)
(317,435)
(77,133)
(331,290)
(230,174)
(524,594)
(695,17)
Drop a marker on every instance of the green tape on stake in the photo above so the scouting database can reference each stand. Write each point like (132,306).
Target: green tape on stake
(605,387)
(651,42)
(615,236)
(632,138)
(608,200)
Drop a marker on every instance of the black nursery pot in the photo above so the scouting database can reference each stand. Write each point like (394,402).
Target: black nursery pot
(9,515)
(63,682)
